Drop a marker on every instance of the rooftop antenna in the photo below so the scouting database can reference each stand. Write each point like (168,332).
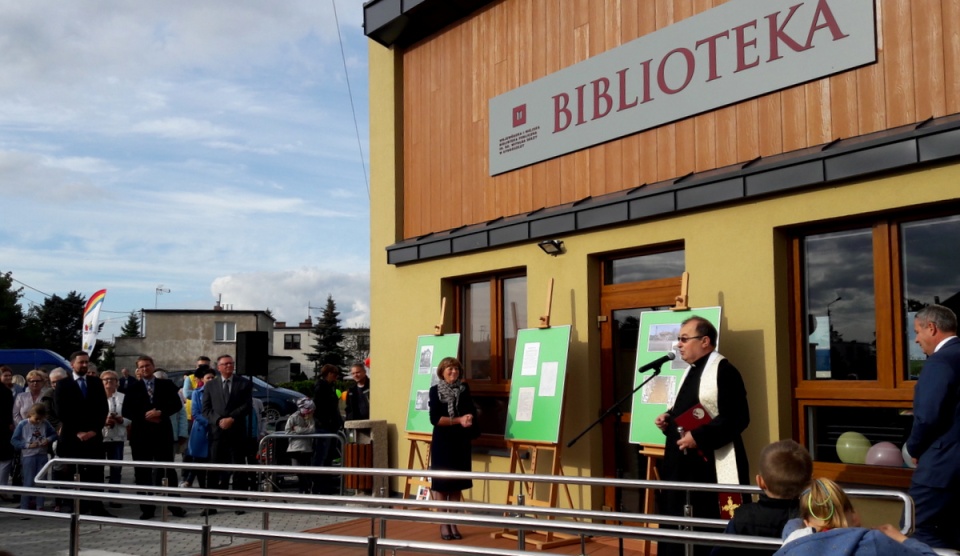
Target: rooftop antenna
(156,298)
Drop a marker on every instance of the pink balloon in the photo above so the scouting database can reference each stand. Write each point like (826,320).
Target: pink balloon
(884,453)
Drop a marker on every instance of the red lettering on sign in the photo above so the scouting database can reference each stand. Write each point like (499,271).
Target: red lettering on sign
(711,43)
(661,71)
(600,93)
(560,103)
(829,22)
(622,74)
(742,45)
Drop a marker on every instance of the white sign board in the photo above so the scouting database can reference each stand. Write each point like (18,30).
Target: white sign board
(736,51)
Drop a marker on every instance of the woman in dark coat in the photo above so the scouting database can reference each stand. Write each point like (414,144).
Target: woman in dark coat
(452,414)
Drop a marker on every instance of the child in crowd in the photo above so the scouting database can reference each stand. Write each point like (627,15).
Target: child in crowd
(785,471)
(828,524)
(198,445)
(33,437)
(301,449)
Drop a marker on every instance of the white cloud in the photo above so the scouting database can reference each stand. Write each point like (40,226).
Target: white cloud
(180,143)
(290,294)
(181,128)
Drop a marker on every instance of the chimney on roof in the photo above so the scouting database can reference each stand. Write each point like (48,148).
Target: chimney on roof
(307,323)
(279,324)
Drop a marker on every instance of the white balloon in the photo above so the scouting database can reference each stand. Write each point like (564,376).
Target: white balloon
(907,458)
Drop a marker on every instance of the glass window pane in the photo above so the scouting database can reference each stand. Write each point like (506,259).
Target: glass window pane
(840,306)
(644,267)
(514,318)
(930,258)
(835,434)
(491,414)
(476,331)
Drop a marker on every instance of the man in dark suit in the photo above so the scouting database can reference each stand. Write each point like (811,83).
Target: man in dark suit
(126,381)
(81,405)
(934,441)
(149,404)
(227,402)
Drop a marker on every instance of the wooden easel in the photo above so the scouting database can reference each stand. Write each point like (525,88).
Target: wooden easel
(541,540)
(420,442)
(681,301)
(419,455)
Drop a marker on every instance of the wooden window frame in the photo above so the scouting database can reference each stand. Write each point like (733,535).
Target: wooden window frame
(891,388)
(498,385)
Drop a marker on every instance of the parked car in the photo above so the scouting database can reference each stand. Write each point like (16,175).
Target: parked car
(277,402)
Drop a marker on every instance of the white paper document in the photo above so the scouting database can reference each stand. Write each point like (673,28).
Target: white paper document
(548,379)
(531,354)
(525,404)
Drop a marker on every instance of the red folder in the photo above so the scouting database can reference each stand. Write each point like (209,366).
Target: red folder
(691,420)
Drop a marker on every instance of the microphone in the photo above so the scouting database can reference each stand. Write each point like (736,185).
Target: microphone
(655,364)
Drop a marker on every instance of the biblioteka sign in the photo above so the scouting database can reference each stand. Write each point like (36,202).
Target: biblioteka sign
(736,51)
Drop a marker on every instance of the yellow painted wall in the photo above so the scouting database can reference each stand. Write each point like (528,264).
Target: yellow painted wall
(734,255)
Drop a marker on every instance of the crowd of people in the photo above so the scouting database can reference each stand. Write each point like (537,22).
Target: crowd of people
(213,418)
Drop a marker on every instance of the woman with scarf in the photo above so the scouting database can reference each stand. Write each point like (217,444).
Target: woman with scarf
(452,414)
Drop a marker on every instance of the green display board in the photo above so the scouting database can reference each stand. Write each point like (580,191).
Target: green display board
(657,337)
(536,385)
(430,351)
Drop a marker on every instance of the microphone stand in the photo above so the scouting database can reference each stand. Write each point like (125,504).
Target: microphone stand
(614,407)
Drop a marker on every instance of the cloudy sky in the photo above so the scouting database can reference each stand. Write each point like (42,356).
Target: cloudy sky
(205,148)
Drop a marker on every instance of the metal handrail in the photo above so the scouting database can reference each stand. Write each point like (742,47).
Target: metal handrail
(521,521)
(909,516)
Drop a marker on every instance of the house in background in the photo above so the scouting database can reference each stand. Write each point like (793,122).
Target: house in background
(176,337)
(297,342)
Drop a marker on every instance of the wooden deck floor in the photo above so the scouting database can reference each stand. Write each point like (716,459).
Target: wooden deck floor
(426,532)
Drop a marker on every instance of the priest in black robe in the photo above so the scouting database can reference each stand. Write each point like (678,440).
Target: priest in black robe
(712,452)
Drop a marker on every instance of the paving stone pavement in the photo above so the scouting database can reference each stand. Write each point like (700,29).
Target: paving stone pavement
(50,537)
(40,537)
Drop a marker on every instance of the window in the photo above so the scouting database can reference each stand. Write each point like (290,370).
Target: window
(291,341)
(225,332)
(363,342)
(855,288)
(491,310)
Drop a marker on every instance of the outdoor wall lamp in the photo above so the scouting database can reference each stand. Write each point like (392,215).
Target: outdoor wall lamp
(552,247)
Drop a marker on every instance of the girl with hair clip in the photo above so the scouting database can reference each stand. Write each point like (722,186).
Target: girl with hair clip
(828,524)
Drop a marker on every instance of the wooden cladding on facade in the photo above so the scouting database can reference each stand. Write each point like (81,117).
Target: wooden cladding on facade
(449,78)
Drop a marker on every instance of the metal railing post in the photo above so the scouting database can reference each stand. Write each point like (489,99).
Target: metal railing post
(266,487)
(75,533)
(266,527)
(687,512)
(76,500)
(205,539)
(521,535)
(371,545)
(165,482)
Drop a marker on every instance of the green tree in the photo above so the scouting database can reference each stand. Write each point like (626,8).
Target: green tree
(57,323)
(11,314)
(108,358)
(329,335)
(131,329)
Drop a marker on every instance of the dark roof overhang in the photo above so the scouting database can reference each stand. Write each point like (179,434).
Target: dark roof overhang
(403,22)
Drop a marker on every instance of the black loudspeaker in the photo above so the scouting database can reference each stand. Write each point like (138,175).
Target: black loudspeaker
(252,353)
